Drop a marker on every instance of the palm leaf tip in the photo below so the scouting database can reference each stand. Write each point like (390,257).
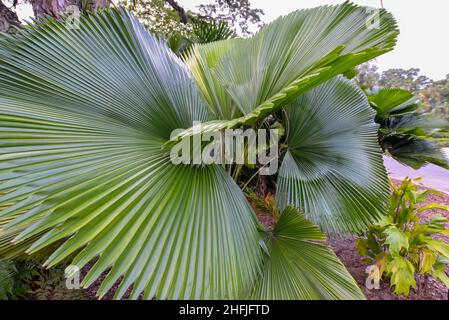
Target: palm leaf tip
(300,266)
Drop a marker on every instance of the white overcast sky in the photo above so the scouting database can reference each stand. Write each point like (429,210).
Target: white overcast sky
(424,24)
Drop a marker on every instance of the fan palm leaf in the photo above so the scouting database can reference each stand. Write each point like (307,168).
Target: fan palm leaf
(300,266)
(333,170)
(84,116)
(263,73)
(405,134)
(81,161)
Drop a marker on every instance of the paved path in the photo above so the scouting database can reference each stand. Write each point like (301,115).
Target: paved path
(433,176)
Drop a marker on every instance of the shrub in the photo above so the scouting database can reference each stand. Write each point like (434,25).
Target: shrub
(401,245)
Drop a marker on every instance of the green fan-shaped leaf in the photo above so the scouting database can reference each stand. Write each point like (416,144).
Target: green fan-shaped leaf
(300,266)
(414,152)
(83,115)
(393,101)
(285,59)
(403,131)
(210,31)
(333,169)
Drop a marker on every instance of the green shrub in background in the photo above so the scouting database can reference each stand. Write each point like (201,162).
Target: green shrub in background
(26,279)
(402,246)
(16,278)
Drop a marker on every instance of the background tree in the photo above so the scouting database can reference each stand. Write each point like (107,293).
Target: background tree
(435,98)
(367,76)
(161,17)
(410,79)
(8,19)
(236,12)
(169,16)
(434,95)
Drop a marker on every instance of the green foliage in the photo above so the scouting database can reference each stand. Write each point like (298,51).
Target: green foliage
(169,17)
(7,273)
(21,279)
(16,278)
(333,185)
(367,77)
(267,204)
(203,31)
(237,13)
(209,31)
(405,133)
(85,175)
(402,245)
(51,285)
(298,265)
(158,16)
(441,138)
(410,79)
(435,98)
(434,94)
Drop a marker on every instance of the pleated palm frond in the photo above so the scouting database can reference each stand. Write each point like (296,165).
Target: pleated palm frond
(393,101)
(178,43)
(300,266)
(412,151)
(405,133)
(210,31)
(85,114)
(333,169)
(285,59)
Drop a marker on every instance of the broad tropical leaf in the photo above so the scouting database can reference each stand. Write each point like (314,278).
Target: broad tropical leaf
(393,101)
(300,266)
(285,59)
(413,152)
(178,43)
(404,133)
(402,275)
(333,169)
(82,169)
(396,240)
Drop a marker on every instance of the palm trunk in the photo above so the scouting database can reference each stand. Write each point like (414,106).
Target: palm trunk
(8,19)
(262,186)
(53,8)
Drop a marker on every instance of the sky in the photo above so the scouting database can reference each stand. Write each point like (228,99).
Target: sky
(423,42)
